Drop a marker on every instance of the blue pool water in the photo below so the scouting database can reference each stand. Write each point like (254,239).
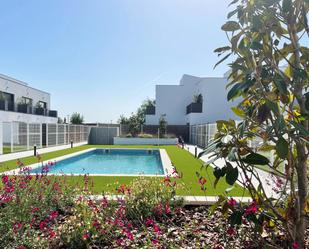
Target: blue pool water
(110,161)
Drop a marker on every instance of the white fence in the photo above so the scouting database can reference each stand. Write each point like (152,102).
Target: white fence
(202,134)
(18,136)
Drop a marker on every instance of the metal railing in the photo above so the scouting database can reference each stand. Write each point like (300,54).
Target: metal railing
(19,136)
(26,108)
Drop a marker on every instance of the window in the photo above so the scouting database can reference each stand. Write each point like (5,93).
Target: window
(27,101)
(6,96)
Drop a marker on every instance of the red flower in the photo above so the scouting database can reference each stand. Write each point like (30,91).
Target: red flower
(252,209)
(232,202)
(5,179)
(150,222)
(16,227)
(231,231)
(53,215)
(155,241)
(42,225)
(86,236)
(295,245)
(156,228)
(121,189)
(52,234)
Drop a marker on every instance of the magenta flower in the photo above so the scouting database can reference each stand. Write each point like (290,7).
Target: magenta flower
(53,215)
(150,222)
(232,202)
(252,209)
(295,245)
(5,179)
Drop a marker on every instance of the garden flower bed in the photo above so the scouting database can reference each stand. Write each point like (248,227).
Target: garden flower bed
(47,212)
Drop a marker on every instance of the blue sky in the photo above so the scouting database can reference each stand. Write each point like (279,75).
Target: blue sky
(102,58)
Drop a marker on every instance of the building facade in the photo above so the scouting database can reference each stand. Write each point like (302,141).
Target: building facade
(21,103)
(196,100)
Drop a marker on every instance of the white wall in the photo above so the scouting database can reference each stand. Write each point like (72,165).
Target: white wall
(21,89)
(172,100)
(6,116)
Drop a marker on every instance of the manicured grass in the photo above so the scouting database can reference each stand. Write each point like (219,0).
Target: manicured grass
(182,160)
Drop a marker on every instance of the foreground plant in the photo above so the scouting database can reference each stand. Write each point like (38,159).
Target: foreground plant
(269,42)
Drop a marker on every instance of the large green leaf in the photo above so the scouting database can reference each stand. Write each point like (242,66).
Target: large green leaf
(255,159)
(222,49)
(223,59)
(230,26)
(282,148)
(236,218)
(231,175)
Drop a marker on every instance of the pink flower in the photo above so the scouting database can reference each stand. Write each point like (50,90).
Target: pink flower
(252,209)
(295,245)
(155,241)
(86,236)
(5,179)
(42,225)
(232,202)
(167,209)
(53,215)
(156,228)
(16,227)
(150,222)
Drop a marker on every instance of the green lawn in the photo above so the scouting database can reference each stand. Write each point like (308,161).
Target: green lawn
(182,160)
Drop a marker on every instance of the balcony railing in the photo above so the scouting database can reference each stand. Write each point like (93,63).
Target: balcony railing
(195,108)
(150,110)
(26,108)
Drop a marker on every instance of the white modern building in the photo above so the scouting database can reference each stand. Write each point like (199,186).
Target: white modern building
(21,103)
(196,100)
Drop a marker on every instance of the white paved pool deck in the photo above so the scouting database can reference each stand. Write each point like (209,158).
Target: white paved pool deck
(21,154)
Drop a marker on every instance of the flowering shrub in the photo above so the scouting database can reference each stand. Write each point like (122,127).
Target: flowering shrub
(30,206)
(146,197)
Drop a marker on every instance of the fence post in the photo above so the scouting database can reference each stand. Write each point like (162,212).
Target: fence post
(41,135)
(28,135)
(46,135)
(1,138)
(57,135)
(12,138)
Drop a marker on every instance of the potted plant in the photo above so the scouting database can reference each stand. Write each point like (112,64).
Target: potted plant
(39,110)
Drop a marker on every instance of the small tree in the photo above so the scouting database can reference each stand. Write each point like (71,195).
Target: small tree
(162,126)
(274,109)
(77,118)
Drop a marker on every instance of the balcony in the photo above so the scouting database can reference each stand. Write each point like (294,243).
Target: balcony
(150,110)
(26,109)
(195,108)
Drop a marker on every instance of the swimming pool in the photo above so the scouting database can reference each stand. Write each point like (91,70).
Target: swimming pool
(110,162)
